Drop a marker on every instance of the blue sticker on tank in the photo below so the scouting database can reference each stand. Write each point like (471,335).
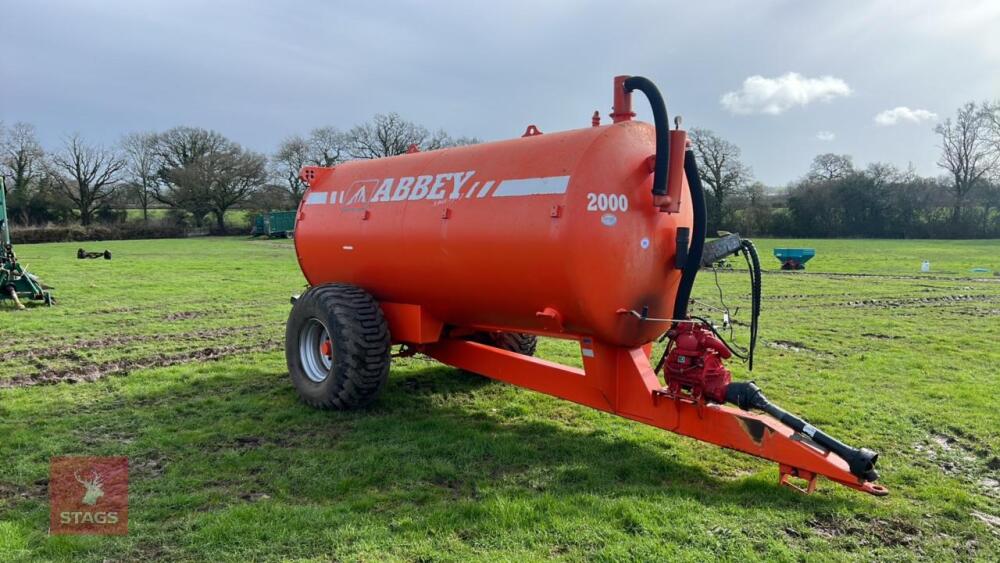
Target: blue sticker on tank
(609,219)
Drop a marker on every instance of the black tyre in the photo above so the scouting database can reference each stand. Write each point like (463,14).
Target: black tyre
(337,347)
(518,342)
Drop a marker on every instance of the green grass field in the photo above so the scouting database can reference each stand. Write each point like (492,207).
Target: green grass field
(238,217)
(171,354)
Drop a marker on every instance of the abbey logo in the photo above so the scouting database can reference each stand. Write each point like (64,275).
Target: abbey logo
(460,185)
(88,495)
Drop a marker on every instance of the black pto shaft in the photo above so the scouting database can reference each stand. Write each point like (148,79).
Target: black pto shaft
(746,395)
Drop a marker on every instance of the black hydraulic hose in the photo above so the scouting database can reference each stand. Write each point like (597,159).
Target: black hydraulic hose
(662,123)
(753,264)
(660,174)
(698,232)
(861,461)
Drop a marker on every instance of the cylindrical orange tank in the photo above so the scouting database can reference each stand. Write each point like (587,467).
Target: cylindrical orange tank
(489,236)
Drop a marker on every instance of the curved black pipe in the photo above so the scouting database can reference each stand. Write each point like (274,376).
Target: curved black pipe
(753,265)
(662,123)
(660,174)
(699,231)
(861,461)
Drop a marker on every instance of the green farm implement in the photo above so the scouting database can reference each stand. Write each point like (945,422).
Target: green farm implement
(275,224)
(15,281)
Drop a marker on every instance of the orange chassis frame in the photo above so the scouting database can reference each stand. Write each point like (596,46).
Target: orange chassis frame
(621,381)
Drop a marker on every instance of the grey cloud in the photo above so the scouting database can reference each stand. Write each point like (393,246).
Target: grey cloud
(258,70)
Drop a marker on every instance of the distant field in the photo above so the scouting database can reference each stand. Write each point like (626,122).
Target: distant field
(175,348)
(947,257)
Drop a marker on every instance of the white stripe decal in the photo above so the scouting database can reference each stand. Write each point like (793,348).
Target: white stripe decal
(316,198)
(532,186)
(485,189)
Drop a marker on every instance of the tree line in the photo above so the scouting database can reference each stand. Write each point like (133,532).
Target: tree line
(834,198)
(200,174)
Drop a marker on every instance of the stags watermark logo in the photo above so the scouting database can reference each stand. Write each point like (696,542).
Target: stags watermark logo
(88,495)
(93,488)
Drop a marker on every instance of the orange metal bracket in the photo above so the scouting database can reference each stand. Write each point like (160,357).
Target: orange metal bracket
(410,323)
(622,381)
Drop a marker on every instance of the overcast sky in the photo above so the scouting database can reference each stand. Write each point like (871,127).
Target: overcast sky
(785,80)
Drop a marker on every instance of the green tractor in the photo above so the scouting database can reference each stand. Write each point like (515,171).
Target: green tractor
(15,282)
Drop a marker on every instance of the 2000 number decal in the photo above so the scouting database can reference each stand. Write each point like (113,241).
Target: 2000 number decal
(607,202)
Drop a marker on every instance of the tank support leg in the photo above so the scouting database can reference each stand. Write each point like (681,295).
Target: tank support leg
(622,381)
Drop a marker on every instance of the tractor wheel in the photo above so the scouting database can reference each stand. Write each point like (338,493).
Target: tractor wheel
(337,347)
(518,342)
(80,254)
(107,255)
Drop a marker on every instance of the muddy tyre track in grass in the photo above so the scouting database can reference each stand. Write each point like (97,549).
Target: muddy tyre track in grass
(98,370)
(942,301)
(70,350)
(836,275)
(212,344)
(192,306)
(891,303)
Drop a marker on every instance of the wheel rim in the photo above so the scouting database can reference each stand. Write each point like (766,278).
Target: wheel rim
(316,350)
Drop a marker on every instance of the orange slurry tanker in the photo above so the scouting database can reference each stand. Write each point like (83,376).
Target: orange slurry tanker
(595,235)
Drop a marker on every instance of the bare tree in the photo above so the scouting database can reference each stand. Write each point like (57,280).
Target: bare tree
(293,153)
(437,140)
(461,141)
(21,162)
(183,145)
(388,134)
(756,211)
(327,146)
(238,173)
(828,167)
(87,174)
(882,174)
(142,167)
(179,149)
(268,197)
(992,112)
(208,173)
(721,169)
(968,152)
(991,191)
